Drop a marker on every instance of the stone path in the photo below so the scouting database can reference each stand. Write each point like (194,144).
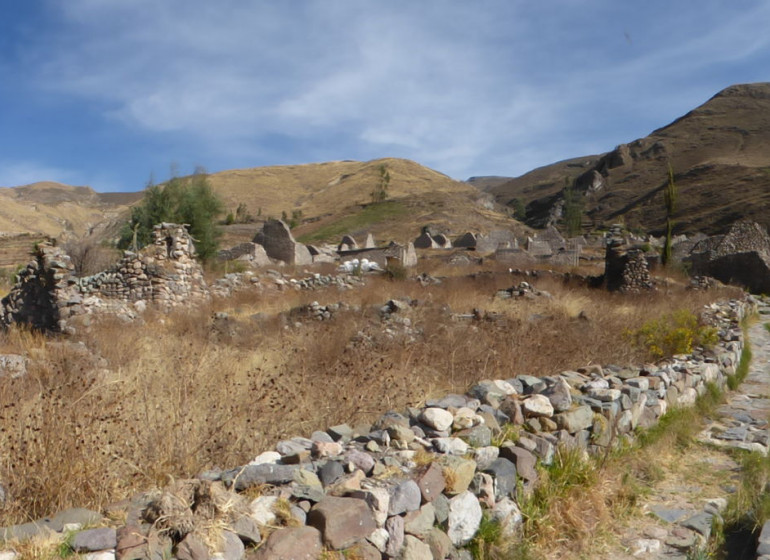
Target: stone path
(678,511)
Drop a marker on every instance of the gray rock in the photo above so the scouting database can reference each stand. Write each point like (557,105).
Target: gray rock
(415,549)
(559,394)
(395,528)
(537,406)
(330,472)
(404,497)
(291,543)
(92,540)
(252,475)
(419,522)
(579,418)
(504,473)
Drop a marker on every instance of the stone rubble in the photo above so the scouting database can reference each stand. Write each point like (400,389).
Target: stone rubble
(415,484)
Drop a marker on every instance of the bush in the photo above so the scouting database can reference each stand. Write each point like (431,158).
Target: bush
(676,333)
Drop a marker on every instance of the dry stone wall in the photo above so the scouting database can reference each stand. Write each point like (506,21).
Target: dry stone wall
(415,483)
(165,274)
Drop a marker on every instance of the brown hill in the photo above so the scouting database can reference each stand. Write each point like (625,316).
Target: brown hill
(720,154)
(326,200)
(334,198)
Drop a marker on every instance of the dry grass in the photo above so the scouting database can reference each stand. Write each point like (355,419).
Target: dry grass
(186,392)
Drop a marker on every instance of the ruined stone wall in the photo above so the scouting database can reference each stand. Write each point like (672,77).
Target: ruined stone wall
(165,274)
(626,268)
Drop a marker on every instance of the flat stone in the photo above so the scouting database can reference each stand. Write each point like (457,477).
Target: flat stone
(92,540)
(291,543)
(431,482)
(253,475)
(700,522)
(330,472)
(560,395)
(669,515)
(342,521)
(477,436)
(450,446)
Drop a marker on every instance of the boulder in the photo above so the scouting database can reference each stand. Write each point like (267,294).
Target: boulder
(279,244)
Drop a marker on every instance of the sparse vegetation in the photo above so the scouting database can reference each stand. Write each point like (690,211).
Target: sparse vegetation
(675,333)
(669,201)
(380,192)
(573,209)
(136,418)
(363,219)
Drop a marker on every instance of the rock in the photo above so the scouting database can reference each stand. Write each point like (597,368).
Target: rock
(478,436)
(450,446)
(330,472)
(508,515)
(431,482)
(523,460)
(247,529)
(395,527)
(252,475)
(537,406)
(458,473)
(92,540)
(415,549)
(439,543)
(291,543)
(579,418)
(419,522)
(559,395)
(342,521)
(279,244)
(464,518)
(504,473)
(437,418)
(404,497)
(378,499)
(231,547)
(192,547)
(262,510)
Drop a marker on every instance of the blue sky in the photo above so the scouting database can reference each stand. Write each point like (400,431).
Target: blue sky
(107,93)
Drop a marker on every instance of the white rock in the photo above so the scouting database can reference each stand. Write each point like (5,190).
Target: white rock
(646,546)
(464,518)
(504,386)
(262,510)
(437,418)
(101,555)
(268,457)
(379,538)
(508,515)
(8,555)
(450,446)
(537,405)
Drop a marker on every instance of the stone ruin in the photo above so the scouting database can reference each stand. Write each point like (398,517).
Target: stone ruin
(742,256)
(626,268)
(47,295)
(279,243)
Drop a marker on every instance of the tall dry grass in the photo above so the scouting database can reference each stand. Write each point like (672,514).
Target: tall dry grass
(92,423)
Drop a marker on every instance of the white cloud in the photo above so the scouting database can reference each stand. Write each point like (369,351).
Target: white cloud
(455,85)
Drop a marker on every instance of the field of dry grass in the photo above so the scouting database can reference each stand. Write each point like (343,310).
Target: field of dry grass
(124,407)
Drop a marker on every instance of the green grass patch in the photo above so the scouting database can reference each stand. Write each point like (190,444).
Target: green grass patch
(366,217)
(742,370)
(767,327)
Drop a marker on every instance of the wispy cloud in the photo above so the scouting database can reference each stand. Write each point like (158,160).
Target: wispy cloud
(491,86)
(18,173)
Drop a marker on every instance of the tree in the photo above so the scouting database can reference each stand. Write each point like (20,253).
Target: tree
(380,192)
(573,209)
(669,201)
(188,200)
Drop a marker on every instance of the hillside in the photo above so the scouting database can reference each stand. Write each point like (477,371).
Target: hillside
(59,210)
(721,159)
(335,198)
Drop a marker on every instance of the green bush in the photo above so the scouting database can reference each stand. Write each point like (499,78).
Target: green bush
(676,333)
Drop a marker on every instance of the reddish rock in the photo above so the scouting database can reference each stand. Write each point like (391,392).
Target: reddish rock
(293,543)
(342,521)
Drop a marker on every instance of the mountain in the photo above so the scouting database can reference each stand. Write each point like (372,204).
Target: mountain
(326,200)
(58,210)
(720,155)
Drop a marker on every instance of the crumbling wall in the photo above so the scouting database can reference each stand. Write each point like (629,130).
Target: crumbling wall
(164,274)
(626,267)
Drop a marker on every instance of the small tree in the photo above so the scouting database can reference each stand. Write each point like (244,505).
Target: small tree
(380,192)
(573,209)
(669,201)
(188,201)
